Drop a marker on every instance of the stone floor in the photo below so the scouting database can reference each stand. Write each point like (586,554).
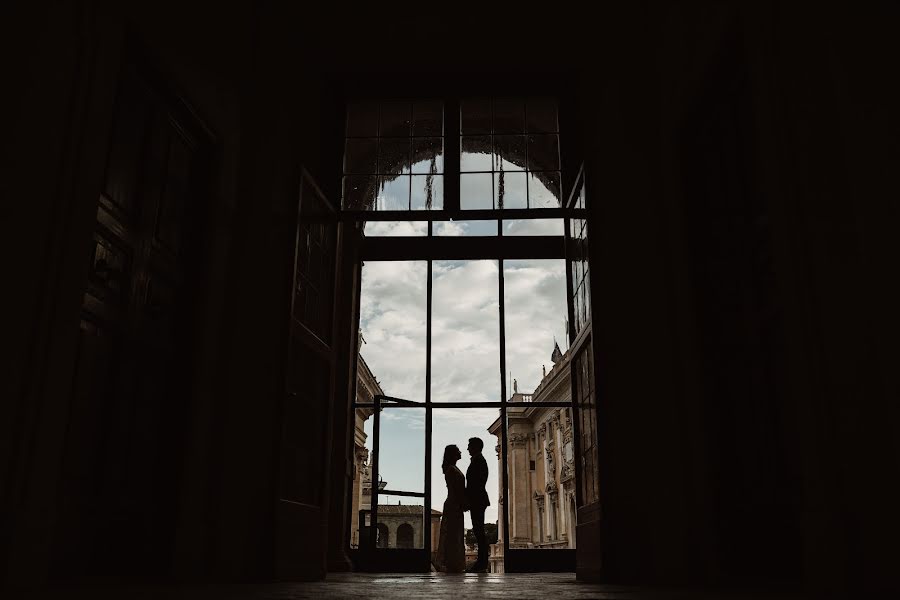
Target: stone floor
(543,586)
(430,586)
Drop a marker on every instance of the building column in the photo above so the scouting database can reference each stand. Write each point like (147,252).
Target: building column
(520,511)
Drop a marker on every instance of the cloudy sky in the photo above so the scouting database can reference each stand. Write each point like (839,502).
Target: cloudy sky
(465,347)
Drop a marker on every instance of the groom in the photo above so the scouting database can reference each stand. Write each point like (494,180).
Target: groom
(476,495)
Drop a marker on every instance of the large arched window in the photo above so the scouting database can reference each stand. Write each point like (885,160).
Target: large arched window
(465,306)
(490,154)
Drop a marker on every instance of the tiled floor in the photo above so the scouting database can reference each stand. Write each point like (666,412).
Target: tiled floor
(430,586)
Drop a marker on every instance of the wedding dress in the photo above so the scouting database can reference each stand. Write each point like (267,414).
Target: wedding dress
(451,553)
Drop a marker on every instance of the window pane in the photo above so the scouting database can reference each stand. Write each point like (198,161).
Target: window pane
(544,190)
(390,150)
(392,319)
(475,191)
(359,192)
(455,426)
(393,156)
(401,467)
(465,347)
(533,227)
(509,190)
(393,193)
(536,340)
(401,452)
(543,153)
(464,228)
(509,152)
(475,153)
(428,155)
(427,192)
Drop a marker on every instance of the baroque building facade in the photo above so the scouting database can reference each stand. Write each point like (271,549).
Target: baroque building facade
(367,388)
(541,499)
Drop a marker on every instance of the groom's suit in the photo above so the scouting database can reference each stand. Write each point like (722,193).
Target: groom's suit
(476,494)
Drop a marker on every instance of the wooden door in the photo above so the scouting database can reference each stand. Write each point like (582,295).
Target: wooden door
(120,472)
(306,414)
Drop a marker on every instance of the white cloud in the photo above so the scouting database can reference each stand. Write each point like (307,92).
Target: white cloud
(396,228)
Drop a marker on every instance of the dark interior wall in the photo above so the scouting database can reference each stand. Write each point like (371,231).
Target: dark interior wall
(207,57)
(653,478)
(46,120)
(67,75)
(241,71)
(834,152)
(738,160)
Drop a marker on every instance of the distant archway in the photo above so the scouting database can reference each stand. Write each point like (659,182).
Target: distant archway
(382,536)
(405,536)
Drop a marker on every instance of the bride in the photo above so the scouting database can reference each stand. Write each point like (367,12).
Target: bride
(451,552)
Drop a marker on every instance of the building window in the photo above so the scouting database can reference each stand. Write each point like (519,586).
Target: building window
(540,523)
(531,465)
(553,530)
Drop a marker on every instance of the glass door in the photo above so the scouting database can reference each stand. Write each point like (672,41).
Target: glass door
(399,524)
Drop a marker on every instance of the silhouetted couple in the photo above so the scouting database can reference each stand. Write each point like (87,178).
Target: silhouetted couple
(463,493)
